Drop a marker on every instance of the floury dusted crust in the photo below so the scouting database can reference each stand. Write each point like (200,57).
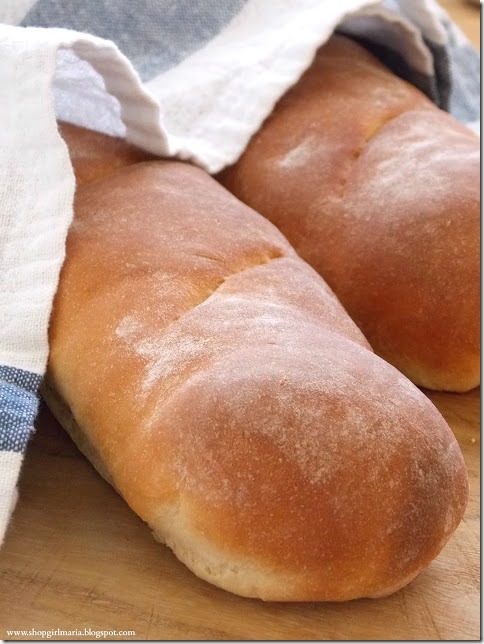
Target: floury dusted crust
(232,402)
(378,190)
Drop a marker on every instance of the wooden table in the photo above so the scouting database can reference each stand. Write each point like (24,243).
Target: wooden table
(467,15)
(76,557)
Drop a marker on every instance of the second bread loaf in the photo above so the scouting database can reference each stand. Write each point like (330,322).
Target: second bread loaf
(379,191)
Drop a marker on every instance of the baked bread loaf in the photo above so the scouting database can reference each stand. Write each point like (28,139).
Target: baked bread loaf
(94,154)
(378,190)
(215,380)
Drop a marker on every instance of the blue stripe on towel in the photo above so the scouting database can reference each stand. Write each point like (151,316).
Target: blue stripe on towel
(154,34)
(18,407)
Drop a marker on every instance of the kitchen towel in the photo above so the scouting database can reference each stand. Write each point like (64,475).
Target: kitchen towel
(192,79)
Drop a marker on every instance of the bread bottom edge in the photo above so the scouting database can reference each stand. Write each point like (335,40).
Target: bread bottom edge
(240,577)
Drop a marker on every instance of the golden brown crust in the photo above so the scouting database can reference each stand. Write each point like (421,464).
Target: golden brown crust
(94,155)
(235,405)
(379,191)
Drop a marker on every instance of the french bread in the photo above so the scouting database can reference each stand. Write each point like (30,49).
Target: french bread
(94,154)
(378,190)
(215,380)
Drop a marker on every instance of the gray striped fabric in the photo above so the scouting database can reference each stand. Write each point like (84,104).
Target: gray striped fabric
(154,34)
(18,407)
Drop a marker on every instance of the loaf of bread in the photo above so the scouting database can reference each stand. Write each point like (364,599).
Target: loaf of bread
(215,380)
(378,190)
(94,154)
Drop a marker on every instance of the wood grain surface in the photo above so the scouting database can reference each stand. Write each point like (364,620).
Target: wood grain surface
(76,557)
(466,14)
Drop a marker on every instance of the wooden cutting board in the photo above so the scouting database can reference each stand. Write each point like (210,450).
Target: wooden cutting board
(76,557)
(466,13)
